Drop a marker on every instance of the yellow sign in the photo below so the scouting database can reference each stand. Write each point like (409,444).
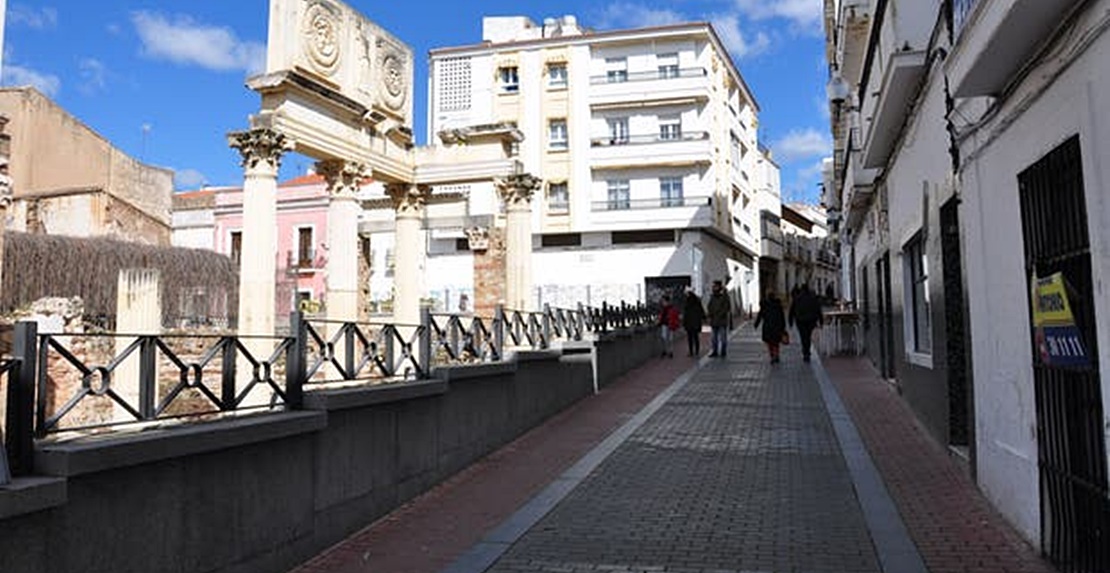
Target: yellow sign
(1050,302)
(1057,337)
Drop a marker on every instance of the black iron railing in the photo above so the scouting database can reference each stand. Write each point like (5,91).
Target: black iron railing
(97,382)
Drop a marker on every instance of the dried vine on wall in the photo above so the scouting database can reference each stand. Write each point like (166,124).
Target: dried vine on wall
(37,266)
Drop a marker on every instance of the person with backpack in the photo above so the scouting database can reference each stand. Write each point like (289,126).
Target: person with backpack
(668,324)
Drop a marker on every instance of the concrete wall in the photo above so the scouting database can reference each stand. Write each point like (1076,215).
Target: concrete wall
(264,493)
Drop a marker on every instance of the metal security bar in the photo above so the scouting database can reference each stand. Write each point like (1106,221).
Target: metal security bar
(1071,440)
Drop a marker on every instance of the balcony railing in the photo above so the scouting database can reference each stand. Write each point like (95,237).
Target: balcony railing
(660,74)
(648,138)
(302,260)
(656,203)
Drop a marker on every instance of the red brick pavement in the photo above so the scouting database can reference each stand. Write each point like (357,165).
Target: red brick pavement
(430,532)
(956,530)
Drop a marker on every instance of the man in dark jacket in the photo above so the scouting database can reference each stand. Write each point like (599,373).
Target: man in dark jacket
(693,315)
(806,312)
(720,312)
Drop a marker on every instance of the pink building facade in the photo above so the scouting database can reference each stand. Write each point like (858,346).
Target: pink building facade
(302,219)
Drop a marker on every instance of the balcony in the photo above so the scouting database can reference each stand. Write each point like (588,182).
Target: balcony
(304,261)
(686,148)
(656,213)
(899,86)
(654,87)
(996,39)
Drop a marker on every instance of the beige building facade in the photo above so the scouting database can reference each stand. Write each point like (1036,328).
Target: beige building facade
(68,180)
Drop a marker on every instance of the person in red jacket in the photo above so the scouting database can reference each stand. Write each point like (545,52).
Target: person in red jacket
(668,324)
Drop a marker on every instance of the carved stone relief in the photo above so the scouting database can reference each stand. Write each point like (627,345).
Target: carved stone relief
(321,37)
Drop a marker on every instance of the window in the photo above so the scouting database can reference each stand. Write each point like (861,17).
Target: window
(557,76)
(619,194)
(557,134)
(236,250)
(616,70)
(670,192)
(668,65)
(917,287)
(670,128)
(558,199)
(509,79)
(735,151)
(305,253)
(638,237)
(618,131)
(561,240)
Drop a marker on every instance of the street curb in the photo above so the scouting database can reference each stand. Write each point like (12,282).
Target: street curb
(494,544)
(894,548)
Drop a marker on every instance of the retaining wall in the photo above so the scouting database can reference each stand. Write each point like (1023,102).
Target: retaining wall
(265,492)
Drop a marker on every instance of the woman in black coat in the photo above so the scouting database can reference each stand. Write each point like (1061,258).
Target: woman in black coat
(773,320)
(693,316)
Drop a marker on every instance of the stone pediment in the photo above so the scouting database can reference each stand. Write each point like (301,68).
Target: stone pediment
(331,44)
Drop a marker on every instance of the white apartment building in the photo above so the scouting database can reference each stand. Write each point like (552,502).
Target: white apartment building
(646,144)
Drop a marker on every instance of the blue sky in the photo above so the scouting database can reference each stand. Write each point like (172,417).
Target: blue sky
(163,80)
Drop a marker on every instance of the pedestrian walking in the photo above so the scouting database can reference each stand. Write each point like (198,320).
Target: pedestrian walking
(805,311)
(668,324)
(693,316)
(720,313)
(774,324)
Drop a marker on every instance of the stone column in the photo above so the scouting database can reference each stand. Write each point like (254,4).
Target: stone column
(517,191)
(261,150)
(138,311)
(408,251)
(343,179)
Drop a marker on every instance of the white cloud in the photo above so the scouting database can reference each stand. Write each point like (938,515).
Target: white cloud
(35,18)
(805,14)
(94,75)
(185,41)
(802,144)
(631,15)
(188,179)
(735,41)
(21,76)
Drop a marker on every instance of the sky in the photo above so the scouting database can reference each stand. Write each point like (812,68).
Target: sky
(163,80)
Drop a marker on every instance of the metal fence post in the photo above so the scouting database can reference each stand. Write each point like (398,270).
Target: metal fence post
(348,351)
(499,331)
(295,362)
(20,431)
(227,374)
(546,326)
(426,341)
(147,378)
(604,317)
(580,322)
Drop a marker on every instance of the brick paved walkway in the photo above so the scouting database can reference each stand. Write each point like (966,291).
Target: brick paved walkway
(431,531)
(738,471)
(955,528)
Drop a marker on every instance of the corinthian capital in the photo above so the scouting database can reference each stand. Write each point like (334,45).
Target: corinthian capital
(517,190)
(407,198)
(260,148)
(343,177)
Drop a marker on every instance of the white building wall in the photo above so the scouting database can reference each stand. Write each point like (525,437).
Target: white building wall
(997,294)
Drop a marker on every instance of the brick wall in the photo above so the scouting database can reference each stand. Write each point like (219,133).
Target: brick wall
(489,274)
